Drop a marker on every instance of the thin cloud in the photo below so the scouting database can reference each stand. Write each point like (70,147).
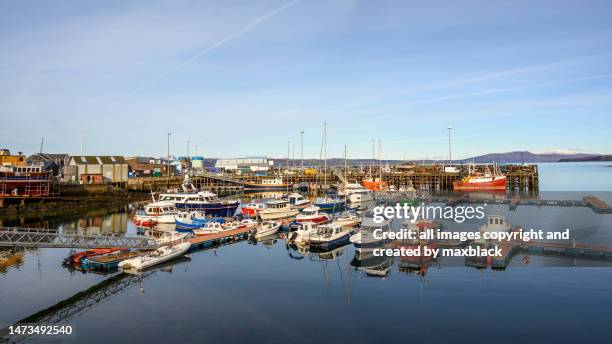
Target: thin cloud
(216,45)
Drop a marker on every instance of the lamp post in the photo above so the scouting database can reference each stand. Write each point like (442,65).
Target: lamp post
(168,162)
(450,155)
(302,147)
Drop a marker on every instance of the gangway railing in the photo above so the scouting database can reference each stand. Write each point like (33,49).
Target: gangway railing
(23,237)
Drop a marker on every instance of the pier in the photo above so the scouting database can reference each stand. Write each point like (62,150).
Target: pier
(430,177)
(52,238)
(205,241)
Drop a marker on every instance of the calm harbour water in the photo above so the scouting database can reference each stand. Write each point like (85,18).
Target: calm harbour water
(265,292)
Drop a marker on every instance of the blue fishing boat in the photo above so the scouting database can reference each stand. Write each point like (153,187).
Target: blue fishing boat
(331,204)
(190,225)
(204,202)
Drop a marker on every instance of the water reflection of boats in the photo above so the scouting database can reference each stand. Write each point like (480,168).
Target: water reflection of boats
(328,255)
(372,265)
(10,258)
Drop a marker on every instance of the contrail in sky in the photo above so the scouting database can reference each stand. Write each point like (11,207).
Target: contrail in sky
(216,45)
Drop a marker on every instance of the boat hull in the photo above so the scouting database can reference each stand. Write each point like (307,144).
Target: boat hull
(331,244)
(266,187)
(496,184)
(212,209)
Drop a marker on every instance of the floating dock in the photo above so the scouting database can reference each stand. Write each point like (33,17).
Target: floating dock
(224,237)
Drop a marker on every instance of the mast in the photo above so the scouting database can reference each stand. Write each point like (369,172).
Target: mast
(345,167)
(325,158)
(380,163)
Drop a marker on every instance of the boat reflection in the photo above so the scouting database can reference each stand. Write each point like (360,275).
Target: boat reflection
(372,265)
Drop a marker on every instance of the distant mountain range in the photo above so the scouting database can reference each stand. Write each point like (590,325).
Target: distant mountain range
(528,157)
(502,158)
(588,158)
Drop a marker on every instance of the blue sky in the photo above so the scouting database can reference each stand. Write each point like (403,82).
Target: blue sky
(242,78)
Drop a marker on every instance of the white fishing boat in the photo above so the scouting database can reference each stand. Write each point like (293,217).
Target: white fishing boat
(170,237)
(267,228)
(301,235)
(348,219)
(329,236)
(210,228)
(364,240)
(298,201)
(248,223)
(160,255)
(355,193)
(278,209)
(312,214)
(495,223)
(154,213)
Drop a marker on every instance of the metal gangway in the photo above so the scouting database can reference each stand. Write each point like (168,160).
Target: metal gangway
(53,238)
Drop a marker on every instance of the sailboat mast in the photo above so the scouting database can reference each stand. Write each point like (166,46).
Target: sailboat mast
(325,156)
(345,167)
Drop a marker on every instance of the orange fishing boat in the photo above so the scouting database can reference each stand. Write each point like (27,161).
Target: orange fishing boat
(481,181)
(374,184)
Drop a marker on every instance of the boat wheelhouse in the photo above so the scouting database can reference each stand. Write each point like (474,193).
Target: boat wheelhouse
(154,213)
(203,201)
(312,214)
(329,236)
(278,209)
(269,184)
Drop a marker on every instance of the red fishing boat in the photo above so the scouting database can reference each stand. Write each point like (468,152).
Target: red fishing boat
(481,181)
(374,184)
(77,257)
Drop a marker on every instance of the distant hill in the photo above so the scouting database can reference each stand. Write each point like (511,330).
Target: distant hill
(588,158)
(524,156)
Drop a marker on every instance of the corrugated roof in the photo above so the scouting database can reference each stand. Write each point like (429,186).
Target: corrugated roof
(97,159)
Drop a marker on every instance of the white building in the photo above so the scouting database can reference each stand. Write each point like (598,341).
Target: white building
(252,163)
(113,169)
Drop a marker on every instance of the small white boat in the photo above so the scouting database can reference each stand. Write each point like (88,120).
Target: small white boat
(170,237)
(160,255)
(329,236)
(210,228)
(301,235)
(312,214)
(495,223)
(267,228)
(278,209)
(347,220)
(298,201)
(355,193)
(248,223)
(154,213)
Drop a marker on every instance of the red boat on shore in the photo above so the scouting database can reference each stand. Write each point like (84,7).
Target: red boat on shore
(481,181)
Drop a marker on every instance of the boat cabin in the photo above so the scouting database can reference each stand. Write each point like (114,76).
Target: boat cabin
(277,204)
(157,208)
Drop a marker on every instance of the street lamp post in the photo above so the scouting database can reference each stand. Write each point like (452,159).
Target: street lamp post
(168,162)
(302,147)
(450,155)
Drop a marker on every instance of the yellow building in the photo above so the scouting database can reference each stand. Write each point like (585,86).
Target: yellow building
(6,159)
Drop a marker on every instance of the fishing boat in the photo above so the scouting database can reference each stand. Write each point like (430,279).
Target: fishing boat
(267,228)
(333,204)
(355,193)
(154,213)
(247,223)
(269,184)
(475,181)
(209,228)
(278,209)
(495,223)
(348,219)
(329,236)
(312,214)
(302,233)
(204,202)
(170,237)
(188,225)
(298,201)
(374,184)
(364,240)
(160,255)
(252,209)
